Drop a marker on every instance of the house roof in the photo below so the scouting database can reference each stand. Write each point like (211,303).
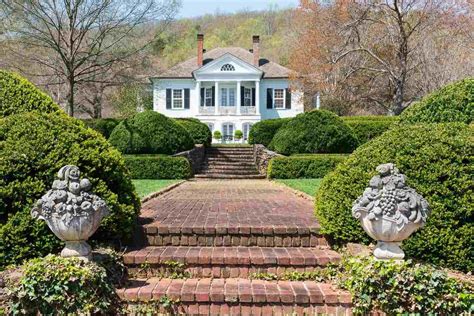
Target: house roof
(186,68)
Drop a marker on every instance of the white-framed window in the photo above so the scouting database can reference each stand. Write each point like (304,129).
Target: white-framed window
(227,67)
(228,131)
(246,129)
(210,126)
(279,98)
(178,99)
(208,96)
(228,96)
(247,97)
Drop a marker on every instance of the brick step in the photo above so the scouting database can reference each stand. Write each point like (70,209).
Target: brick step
(225,262)
(229,163)
(229,149)
(228,176)
(230,159)
(229,171)
(217,154)
(240,296)
(230,167)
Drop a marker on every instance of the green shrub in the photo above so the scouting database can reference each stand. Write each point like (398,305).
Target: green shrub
(33,147)
(18,95)
(309,167)
(318,131)
(368,127)
(238,134)
(103,126)
(263,131)
(401,288)
(62,286)
(150,132)
(437,160)
(159,167)
(452,103)
(217,135)
(199,131)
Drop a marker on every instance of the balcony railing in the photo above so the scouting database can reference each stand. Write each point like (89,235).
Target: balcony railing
(207,110)
(226,110)
(248,110)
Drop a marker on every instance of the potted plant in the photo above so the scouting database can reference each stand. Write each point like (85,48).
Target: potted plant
(217,136)
(238,135)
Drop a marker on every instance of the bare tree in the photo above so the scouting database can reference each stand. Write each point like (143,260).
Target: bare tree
(82,40)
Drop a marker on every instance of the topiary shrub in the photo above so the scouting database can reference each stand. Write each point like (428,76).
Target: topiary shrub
(159,167)
(33,147)
(437,160)
(62,286)
(217,135)
(366,128)
(263,131)
(318,131)
(303,167)
(238,135)
(199,131)
(150,132)
(18,95)
(452,103)
(103,126)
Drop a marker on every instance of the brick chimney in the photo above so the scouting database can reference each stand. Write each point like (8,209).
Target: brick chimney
(200,49)
(256,50)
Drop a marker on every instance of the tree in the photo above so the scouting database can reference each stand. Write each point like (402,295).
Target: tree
(81,41)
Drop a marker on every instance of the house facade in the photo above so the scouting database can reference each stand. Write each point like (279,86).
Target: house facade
(228,89)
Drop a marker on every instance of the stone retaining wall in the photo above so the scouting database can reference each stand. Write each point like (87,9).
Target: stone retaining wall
(262,157)
(195,157)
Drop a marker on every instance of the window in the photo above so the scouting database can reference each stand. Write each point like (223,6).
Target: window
(227,96)
(178,102)
(228,67)
(247,97)
(246,128)
(208,97)
(228,131)
(279,98)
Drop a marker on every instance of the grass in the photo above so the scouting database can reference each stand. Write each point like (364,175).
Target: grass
(146,187)
(308,186)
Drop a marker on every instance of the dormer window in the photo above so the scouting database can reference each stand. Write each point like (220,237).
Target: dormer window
(228,67)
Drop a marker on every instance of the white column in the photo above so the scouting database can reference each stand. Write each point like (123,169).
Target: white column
(216,100)
(198,96)
(257,97)
(239,101)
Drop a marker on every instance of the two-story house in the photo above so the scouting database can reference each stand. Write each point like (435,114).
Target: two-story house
(228,89)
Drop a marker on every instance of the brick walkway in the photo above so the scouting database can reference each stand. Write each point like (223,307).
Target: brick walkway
(224,231)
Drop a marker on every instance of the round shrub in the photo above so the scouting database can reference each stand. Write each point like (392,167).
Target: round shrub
(62,286)
(452,103)
(150,132)
(18,95)
(33,147)
(317,131)
(104,126)
(437,160)
(263,131)
(199,131)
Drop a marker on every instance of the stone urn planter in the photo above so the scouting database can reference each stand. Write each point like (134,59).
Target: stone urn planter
(390,211)
(71,211)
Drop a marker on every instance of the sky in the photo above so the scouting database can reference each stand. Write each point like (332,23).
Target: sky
(193,8)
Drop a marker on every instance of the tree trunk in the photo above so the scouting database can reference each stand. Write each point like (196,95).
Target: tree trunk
(70,97)
(397,107)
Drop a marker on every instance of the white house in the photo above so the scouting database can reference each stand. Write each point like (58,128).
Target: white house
(228,88)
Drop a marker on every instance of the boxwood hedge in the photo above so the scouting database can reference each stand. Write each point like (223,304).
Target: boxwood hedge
(318,131)
(105,126)
(452,103)
(263,131)
(304,166)
(437,160)
(200,132)
(18,95)
(158,167)
(368,127)
(150,132)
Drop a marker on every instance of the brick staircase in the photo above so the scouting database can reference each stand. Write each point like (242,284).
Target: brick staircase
(229,163)
(223,235)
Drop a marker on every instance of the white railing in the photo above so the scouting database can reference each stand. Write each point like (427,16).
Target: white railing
(248,110)
(207,110)
(227,110)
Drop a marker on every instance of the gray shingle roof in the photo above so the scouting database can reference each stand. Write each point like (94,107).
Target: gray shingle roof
(185,69)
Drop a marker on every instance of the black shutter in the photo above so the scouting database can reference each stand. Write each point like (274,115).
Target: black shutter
(269,98)
(213,96)
(168,98)
(288,98)
(186,98)
(253,97)
(242,96)
(203,91)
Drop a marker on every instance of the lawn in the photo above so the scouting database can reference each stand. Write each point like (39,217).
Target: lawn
(146,187)
(308,186)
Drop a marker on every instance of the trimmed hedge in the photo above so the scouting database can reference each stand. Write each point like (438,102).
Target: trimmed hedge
(318,131)
(368,127)
(18,95)
(263,131)
(150,132)
(437,160)
(200,132)
(306,167)
(103,126)
(158,167)
(452,103)
(33,147)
